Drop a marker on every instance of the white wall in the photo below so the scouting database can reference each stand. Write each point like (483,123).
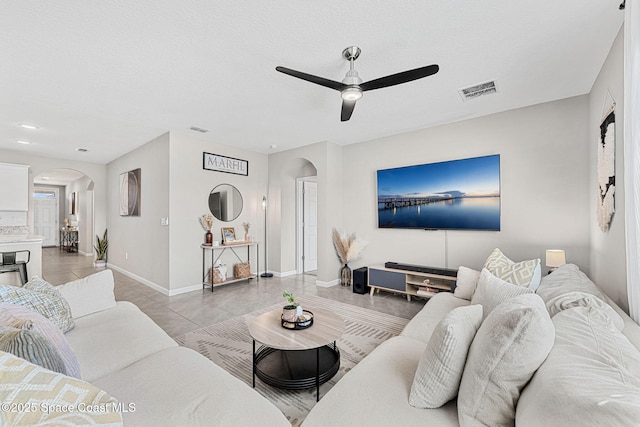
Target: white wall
(544,155)
(284,168)
(85,212)
(139,245)
(95,171)
(189,188)
(608,255)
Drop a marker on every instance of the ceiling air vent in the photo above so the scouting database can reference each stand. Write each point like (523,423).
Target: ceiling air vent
(475,91)
(82,150)
(197,129)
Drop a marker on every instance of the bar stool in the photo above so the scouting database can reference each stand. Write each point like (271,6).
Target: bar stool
(8,263)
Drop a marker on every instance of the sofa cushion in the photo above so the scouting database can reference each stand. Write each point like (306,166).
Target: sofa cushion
(439,372)
(376,392)
(422,325)
(179,387)
(31,346)
(492,291)
(90,294)
(510,345)
(42,397)
(42,298)
(21,317)
(466,282)
(126,336)
(524,273)
(591,377)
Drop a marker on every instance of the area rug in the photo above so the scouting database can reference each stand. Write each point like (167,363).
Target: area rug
(229,345)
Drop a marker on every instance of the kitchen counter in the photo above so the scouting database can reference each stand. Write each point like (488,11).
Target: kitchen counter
(11,243)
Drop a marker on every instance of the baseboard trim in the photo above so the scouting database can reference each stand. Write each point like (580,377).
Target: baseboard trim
(142,280)
(323,284)
(285,274)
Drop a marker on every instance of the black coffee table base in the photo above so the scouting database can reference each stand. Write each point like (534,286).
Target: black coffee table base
(296,369)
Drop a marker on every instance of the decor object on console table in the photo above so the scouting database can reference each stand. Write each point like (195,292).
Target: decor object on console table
(101,247)
(246,226)
(348,248)
(206,221)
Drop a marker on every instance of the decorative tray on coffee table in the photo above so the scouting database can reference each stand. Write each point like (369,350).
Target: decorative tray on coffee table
(303,322)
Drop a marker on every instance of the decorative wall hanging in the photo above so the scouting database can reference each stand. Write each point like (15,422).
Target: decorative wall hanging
(130,193)
(218,163)
(607,166)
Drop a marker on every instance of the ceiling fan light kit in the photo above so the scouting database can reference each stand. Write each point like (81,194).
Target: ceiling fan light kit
(351,88)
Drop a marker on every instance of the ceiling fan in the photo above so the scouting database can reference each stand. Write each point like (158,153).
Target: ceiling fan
(352,87)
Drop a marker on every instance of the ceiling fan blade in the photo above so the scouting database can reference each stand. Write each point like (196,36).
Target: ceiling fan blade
(313,79)
(399,78)
(347,110)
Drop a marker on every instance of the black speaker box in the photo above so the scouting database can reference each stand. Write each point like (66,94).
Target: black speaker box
(360,280)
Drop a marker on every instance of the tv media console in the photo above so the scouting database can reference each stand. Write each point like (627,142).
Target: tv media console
(411,280)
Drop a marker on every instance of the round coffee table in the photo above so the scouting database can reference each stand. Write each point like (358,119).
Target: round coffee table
(296,359)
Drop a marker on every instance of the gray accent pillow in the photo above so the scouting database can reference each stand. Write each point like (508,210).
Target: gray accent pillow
(32,347)
(17,316)
(492,291)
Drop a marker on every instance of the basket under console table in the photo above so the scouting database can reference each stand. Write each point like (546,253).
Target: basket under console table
(410,282)
(216,252)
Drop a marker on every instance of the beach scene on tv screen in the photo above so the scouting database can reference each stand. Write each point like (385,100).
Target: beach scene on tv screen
(457,194)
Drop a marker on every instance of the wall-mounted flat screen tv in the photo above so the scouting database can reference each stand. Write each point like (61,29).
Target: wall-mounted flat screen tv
(453,195)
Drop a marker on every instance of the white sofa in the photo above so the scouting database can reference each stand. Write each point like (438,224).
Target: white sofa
(123,352)
(376,391)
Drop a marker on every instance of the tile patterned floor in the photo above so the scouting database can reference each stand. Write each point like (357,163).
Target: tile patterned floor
(193,310)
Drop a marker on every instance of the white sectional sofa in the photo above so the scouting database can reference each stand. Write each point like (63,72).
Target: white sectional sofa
(121,351)
(579,383)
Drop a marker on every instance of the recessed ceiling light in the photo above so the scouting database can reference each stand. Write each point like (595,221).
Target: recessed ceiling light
(82,150)
(27,126)
(273,146)
(19,141)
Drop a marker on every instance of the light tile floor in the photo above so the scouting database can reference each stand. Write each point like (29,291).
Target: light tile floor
(193,310)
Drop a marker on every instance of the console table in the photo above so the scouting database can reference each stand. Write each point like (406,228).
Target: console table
(409,282)
(68,240)
(217,251)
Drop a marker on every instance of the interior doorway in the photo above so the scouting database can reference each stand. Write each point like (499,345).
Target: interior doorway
(46,218)
(307,225)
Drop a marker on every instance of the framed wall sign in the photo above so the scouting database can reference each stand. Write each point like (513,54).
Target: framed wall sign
(218,163)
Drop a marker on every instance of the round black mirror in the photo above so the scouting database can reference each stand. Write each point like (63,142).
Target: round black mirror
(225,202)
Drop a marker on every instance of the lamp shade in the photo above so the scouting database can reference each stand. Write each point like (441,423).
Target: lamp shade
(555,258)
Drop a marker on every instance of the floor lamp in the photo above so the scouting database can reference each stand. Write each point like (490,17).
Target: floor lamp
(266,260)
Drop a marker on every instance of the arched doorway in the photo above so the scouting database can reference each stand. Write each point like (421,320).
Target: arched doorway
(64,197)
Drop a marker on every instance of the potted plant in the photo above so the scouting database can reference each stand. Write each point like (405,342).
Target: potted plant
(291,311)
(101,248)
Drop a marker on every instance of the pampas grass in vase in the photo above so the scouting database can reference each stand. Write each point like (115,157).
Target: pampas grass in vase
(348,248)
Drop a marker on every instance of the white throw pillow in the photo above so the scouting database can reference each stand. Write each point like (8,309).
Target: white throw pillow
(524,273)
(466,282)
(439,372)
(492,291)
(508,348)
(590,378)
(90,294)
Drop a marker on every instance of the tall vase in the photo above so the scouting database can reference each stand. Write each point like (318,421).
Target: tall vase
(208,237)
(345,276)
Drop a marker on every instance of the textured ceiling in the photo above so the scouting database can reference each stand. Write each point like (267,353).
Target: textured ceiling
(110,76)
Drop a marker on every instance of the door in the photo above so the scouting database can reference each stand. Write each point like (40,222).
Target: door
(310,226)
(45,208)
